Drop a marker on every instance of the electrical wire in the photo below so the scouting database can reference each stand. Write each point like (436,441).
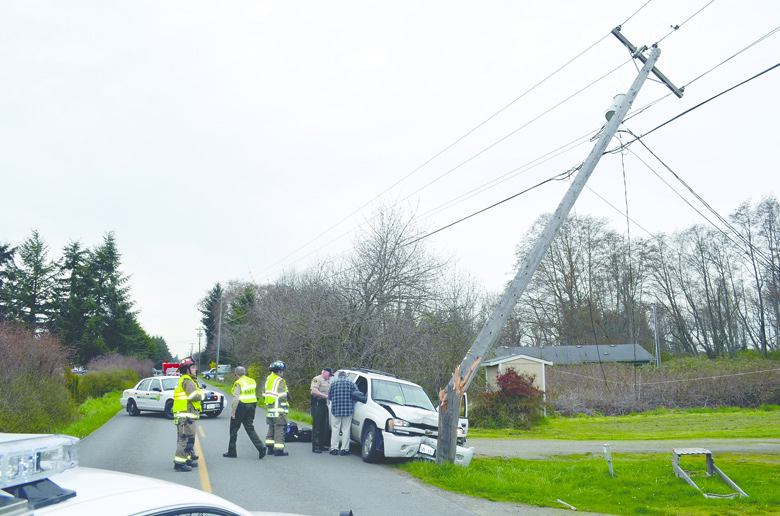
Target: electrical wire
(498,180)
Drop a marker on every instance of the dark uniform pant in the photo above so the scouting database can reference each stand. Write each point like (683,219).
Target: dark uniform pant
(245,415)
(319,425)
(275,436)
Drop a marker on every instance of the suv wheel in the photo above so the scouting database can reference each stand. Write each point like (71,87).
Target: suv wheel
(370,443)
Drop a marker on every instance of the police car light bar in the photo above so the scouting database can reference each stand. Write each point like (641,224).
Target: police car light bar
(26,458)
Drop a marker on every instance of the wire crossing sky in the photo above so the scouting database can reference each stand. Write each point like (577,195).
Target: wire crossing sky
(241,140)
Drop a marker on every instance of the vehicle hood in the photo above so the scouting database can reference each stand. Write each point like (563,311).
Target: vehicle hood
(413,414)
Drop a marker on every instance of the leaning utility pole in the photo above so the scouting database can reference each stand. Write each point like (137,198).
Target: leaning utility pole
(447,442)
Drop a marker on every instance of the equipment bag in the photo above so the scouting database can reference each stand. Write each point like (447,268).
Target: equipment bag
(291,433)
(304,435)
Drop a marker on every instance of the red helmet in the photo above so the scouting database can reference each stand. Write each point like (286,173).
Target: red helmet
(186,362)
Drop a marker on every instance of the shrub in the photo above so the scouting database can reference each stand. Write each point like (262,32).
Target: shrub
(33,393)
(517,403)
(114,361)
(95,384)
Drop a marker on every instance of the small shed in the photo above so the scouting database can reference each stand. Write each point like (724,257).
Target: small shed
(522,364)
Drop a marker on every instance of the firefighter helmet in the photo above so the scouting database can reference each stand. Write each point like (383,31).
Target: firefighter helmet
(186,363)
(277,366)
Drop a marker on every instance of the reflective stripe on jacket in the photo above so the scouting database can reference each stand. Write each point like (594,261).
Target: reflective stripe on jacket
(275,395)
(248,389)
(182,401)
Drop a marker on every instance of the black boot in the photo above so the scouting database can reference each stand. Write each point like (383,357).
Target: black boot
(181,467)
(280,453)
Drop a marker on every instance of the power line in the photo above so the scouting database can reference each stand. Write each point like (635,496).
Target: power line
(458,140)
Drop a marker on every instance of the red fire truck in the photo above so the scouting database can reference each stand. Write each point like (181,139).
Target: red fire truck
(170,368)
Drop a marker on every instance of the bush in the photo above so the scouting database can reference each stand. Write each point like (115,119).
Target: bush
(517,403)
(34,396)
(114,361)
(95,384)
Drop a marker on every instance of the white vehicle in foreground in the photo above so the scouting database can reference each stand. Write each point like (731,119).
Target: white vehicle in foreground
(39,477)
(398,419)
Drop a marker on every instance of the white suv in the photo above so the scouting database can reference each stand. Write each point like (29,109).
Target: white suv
(398,419)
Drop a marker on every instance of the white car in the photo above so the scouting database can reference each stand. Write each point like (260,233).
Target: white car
(397,419)
(41,477)
(155,394)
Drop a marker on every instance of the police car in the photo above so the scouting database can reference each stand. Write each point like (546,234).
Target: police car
(39,476)
(155,394)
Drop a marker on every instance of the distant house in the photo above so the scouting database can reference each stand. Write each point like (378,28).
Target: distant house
(522,364)
(564,355)
(531,361)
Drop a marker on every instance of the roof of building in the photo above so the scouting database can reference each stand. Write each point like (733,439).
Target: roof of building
(509,358)
(561,355)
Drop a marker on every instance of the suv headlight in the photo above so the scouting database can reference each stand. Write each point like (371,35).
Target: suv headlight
(397,426)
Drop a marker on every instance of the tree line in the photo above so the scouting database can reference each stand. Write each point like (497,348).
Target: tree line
(82,298)
(390,304)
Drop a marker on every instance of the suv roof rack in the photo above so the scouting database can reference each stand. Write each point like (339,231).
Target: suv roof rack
(375,371)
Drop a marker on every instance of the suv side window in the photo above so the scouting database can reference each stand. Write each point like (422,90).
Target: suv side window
(362,384)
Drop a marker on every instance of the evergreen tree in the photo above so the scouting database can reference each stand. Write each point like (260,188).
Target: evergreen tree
(112,321)
(35,282)
(209,317)
(162,353)
(73,298)
(6,265)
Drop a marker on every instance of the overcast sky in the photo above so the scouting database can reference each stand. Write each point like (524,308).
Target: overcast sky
(235,140)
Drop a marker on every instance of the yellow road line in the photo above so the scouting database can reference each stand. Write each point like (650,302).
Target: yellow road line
(203,471)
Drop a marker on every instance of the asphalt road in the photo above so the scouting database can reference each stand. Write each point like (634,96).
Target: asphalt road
(323,485)
(302,483)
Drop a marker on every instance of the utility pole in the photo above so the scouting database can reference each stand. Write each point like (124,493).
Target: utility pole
(655,338)
(200,333)
(219,331)
(447,441)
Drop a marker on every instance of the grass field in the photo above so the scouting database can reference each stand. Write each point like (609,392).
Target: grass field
(643,483)
(726,423)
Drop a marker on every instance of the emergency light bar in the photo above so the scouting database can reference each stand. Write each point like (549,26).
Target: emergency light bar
(26,458)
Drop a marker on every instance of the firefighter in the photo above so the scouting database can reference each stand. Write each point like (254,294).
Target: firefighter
(186,410)
(243,412)
(276,406)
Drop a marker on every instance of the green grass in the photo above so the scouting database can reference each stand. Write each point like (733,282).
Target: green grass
(92,414)
(643,484)
(660,424)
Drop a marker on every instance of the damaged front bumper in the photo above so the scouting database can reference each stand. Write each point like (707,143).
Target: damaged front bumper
(422,447)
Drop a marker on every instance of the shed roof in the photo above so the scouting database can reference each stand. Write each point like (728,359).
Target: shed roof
(561,355)
(509,358)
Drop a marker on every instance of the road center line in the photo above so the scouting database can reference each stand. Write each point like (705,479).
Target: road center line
(205,483)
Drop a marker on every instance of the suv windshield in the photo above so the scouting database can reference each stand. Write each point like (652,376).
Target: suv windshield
(400,394)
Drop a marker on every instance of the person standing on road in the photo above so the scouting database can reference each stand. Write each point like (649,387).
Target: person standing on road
(340,394)
(276,406)
(186,410)
(243,412)
(319,411)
